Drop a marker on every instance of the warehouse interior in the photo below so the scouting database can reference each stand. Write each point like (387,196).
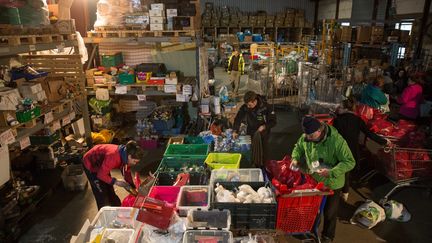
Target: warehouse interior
(215,121)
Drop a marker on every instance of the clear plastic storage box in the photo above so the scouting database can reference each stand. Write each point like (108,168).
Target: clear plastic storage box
(209,219)
(193,197)
(118,235)
(74,178)
(236,175)
(216,236)
(116,217)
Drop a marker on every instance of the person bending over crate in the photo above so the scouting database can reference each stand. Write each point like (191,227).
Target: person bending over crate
(322,152)
(101,160)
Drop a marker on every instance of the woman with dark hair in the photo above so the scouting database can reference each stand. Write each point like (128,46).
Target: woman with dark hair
(349,125)
(411,97)
(401,81)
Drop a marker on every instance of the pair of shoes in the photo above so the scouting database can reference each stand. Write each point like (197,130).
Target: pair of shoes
(325,239)
(345,196)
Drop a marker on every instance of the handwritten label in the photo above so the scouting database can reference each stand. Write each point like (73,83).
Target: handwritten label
(32,47)
(7,137)
(182,98)
(56,125)
(48,118)
(121,89)
(66,120)
(25,142)
(141,97)
(170,88)
(187,90)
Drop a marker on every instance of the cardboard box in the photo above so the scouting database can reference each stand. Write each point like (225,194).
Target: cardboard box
(171,12)
(55,89)
(171,81)
(39,96)
(248,38)
(157,27)
(30,88)
(66,26)
(9,98)
(137,19)
(377,30)
(345,33)
(157,13)
(363,34)
(157,20)
(157,6)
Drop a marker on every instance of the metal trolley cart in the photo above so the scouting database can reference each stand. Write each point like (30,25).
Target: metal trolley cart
(405,167)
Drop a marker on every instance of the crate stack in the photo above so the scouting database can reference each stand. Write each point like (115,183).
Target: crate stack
(280,19)
(290,17)
(157,17)
(210,17)
(377,34)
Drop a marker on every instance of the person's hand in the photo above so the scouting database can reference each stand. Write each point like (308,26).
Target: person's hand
(121,183)
(261,128)
(294,166)
(235,135)
(323,172)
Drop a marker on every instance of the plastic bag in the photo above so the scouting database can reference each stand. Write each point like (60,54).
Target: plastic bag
(111,13)
(368,214)
(223,94)
(396,211)
(280,171)
(175,232)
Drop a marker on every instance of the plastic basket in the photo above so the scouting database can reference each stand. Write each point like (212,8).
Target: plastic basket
(45,139)
(170,167)
(193,197)
(198,151)
(167,194)
(194,140)
(197,236)
(233,175)
(209,219)
(123,215)
(297,214)
(248,215)
(223,160)
(25,116)
(126,78)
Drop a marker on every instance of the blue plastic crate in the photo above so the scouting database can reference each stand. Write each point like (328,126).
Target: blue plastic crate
(162,125)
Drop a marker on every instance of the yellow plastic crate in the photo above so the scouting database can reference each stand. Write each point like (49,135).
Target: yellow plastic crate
(223,160)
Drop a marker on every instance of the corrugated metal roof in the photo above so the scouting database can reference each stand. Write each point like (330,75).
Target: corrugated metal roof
(270,6)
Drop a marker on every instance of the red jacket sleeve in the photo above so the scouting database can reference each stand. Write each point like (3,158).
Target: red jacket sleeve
(103,173)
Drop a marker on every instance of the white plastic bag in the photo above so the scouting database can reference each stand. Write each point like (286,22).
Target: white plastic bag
(396,211)
(368,214)
(112,12)
(223,94)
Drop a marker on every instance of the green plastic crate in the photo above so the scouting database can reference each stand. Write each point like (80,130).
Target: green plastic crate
(198,151)
(170,167)
(25,116)
(126,78)
(194,140)
(45,140)
(223,160)
(112,60)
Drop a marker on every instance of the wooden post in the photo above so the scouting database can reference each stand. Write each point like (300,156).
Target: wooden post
(375,12)
(337,9)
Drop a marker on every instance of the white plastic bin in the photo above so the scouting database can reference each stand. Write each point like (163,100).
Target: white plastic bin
(115,217)
(193,197)
(209,219)
(118,235)
(74,178)
(219,236)
(235,175)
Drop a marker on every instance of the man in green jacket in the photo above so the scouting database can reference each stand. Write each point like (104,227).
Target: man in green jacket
(236,69)
(322,152)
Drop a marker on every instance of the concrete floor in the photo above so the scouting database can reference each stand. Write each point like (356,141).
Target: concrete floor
(63,214)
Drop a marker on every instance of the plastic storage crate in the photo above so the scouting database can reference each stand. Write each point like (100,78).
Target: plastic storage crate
(170,167)
(167,194)
(45,139)
(162,125)
(126,78)
(194,140)
(197,151)
(209,219)
(223,160)
(234,175)
(107,216)
(197,236)
(176,140)
(74,178)
(193,197)
(25,116)
(248,215)
(112,60)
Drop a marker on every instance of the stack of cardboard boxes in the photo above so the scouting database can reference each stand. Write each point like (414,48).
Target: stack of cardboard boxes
(280,19)
(363,34)
(290,18)
(299,18)
(157,17)
(377,34)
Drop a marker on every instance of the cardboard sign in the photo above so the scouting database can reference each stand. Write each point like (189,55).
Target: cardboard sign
(187,90)
(48,118)
(72,115)
(121,89)
(56,125)
(170,88)
(7,137)
(141,97)
(66,120)
(25,142)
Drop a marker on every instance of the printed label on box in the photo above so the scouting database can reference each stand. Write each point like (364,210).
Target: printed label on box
(170,88)
(7,137)
(66,120)
(187,89)
(72,116)
(25,142)
(56,125)
(48,117)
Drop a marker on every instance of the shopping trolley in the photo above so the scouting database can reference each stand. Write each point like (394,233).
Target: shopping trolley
(405,167)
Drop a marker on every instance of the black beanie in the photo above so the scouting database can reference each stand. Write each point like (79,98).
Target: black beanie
(310,125)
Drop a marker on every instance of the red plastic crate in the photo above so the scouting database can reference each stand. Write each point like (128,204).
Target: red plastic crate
(165,193)
(156,81)
(155,212)
(297,214)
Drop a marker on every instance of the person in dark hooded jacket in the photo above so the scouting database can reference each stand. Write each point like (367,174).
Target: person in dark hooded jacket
(258,116)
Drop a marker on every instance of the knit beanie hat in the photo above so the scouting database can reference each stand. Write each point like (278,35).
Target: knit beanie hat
(310,124)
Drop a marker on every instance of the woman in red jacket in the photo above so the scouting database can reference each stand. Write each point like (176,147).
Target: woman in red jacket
(98,163)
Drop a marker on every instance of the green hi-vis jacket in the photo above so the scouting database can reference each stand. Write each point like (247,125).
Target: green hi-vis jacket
(332,151)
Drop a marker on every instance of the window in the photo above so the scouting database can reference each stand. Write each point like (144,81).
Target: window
(406,26)
(401,53)
(397,26)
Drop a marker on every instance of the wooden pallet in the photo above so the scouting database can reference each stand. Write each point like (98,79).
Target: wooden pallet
(16,40)
(140,33)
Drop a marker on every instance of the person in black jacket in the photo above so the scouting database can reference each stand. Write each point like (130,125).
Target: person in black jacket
(349,125)
(258,116)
